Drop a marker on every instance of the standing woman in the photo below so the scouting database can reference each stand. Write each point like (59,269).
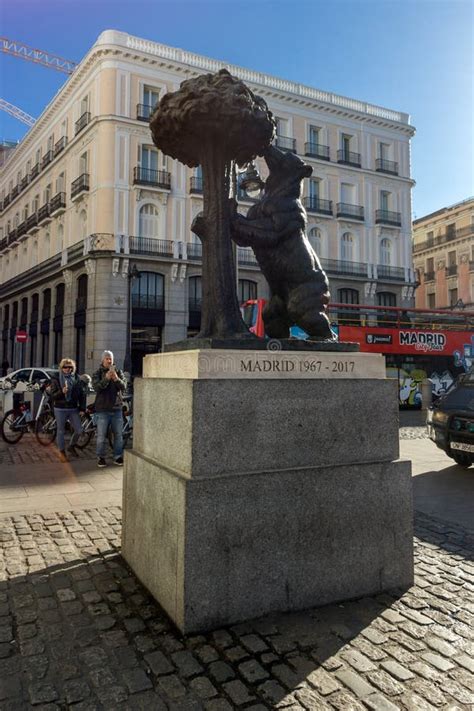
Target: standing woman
(69,399)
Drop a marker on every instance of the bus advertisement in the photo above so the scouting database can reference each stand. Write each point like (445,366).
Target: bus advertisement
(417,343)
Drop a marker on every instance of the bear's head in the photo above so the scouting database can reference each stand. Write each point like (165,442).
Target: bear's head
(286,172)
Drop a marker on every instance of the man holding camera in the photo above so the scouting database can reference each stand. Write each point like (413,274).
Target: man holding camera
(109,384)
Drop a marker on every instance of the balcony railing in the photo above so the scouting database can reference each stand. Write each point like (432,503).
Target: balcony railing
(429,276)
(60,145)
(43,213)
(194,250)
(384,271)
(82,121)
(386,166)
(316,150)
(349,158)
(7,201)
(47,158)
(15,191)
(21,229)
(24,182)
(151,246)
(339,266)
(12,236)
(58,202)
(195,184)
(34,171)
(80,185)
(387,217)
(148,301)
(144,112)
(355,212)
(451,270)
(315,204)
(194,303)
(32,222)
(3,243)
(286,143)
(156,178)
(246,256)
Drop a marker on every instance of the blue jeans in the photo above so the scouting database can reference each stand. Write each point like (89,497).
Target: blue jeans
(114,419)
(62,416)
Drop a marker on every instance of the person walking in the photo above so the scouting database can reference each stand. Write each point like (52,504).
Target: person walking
(109,383)
(5,366)
(69,400)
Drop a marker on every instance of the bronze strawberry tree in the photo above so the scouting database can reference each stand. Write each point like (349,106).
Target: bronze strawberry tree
(212,121)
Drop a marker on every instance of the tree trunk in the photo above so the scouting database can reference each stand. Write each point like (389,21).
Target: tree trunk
(220,315)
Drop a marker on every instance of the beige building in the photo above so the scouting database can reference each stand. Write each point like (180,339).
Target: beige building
(443,254)
(86,199)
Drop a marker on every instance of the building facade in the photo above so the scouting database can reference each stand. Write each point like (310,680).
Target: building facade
(443,255)
(88,202)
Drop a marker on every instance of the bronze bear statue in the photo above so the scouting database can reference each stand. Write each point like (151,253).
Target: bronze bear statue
(275,228)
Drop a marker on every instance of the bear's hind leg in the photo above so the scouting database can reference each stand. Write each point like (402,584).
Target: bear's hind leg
(306,309)
(276,319)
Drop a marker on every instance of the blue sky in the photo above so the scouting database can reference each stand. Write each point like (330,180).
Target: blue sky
(412,55)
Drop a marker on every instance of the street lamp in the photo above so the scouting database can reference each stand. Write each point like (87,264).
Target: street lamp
(251,182)
(130,273)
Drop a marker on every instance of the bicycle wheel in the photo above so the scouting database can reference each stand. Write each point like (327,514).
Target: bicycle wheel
(12,432)
(45,428)
(87,431)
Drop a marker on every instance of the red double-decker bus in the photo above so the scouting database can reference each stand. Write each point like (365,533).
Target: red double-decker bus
(417,343)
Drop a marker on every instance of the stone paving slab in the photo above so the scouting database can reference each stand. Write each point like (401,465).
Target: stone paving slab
(78,631)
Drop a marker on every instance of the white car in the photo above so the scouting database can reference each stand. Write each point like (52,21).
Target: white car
(28,375)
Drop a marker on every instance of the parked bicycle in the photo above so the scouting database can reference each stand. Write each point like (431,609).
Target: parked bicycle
(19,420)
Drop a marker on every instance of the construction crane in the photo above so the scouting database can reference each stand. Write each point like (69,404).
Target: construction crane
(16,112)
(23,51)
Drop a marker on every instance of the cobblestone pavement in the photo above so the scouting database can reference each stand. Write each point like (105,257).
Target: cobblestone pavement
(78,631)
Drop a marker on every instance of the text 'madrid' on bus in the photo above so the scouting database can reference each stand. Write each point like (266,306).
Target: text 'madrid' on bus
(417,343)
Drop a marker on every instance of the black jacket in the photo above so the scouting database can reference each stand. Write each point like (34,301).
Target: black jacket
(78,396)
(109,392)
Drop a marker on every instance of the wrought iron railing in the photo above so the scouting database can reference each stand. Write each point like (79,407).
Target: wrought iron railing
(388,217)
(341,266)
(35,171)
(344,209)
(246,256)
(195,184)
(316,150)
(315,204)
(349,158)
(21,229)
(148,301)
(429,276)
(144,112)
(82,121)
(151,246)
(60,145)
(47,158)
(194,250)
(156,178)
(80,184)
(286,143)
(58,202)
(386,166)
(32,221)
(385,271)
(24,182)
(43,213)
(451,270)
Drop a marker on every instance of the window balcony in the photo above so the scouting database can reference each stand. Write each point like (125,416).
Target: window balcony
(34,171)
(12,237)
(57,204)
(451,270)
(3,244)
(194,251)
(353,212)
(316,150)
(386,166)
(21,229)
(246,257)
(148,301)
(151,246)
(15,191)
(315,204)
(47,158)
(195,185)
(79,185)
(387,217)
(286,143)
(144,112)
(429,276)
(32,223)
(60,145)
(385,271)
(153,178)
(349,158)
(44,214)
(24,182)
(341,266)
(7,201)
(82,122)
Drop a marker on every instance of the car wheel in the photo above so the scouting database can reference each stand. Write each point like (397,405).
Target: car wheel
(464,460)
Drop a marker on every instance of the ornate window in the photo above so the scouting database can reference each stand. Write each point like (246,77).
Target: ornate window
(148,222)
(247,290)
(386,298)
(148,291)
(348,296)
(315,240)
(385,251)
(347,247)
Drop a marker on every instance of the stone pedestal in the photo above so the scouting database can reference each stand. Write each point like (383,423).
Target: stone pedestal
(264,482)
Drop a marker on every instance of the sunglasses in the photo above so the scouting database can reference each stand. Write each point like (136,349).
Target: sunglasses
(68,367)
